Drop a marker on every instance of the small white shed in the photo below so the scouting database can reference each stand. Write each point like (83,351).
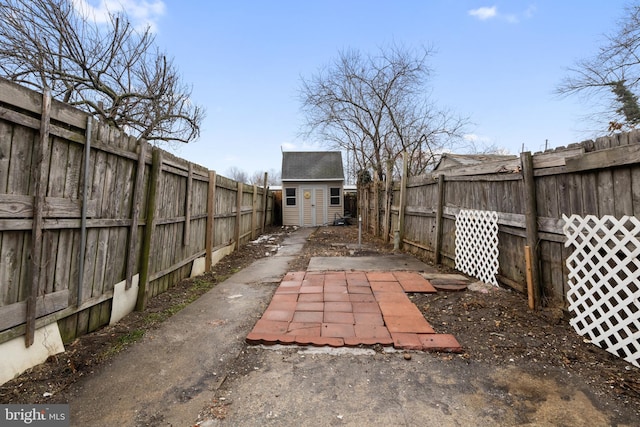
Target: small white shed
(312,187)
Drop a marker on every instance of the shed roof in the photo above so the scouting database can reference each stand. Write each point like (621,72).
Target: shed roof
(312,166)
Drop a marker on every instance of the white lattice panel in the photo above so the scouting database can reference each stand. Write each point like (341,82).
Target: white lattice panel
(477,244)
(604,273)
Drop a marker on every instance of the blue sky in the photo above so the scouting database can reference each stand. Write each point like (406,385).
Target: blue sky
(496,62)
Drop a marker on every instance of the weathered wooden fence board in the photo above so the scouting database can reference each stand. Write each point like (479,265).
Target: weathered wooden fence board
(599,177)
(117,206)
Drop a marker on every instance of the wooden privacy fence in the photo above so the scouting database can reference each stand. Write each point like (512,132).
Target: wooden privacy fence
(84,207)
(530,194)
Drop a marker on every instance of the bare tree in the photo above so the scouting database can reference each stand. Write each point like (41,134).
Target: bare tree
(375,107)
(612,75)
(109,70)
(257,178)
(273,177)
(237,174)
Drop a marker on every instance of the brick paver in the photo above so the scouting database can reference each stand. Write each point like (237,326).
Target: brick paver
(349,308)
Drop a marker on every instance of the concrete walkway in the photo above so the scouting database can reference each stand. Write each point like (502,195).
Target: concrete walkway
(172,373)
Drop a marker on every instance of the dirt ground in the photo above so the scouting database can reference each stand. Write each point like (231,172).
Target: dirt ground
(494,327)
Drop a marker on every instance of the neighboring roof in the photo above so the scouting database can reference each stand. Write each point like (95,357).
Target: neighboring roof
(450,160)
(312,166)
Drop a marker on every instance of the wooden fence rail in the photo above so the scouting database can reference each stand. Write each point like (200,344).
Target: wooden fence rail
(530,195)
(84,207)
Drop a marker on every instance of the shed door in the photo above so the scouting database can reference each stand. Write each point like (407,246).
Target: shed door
(313,206)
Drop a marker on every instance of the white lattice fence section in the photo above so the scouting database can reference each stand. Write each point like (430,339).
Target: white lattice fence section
(477,244)
(604,271)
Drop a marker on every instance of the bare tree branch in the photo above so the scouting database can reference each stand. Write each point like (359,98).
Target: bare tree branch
(612,76)
(237,174)
(109,70)
(375,107)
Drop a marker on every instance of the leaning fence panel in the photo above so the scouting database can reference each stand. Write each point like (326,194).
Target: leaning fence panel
(604,272)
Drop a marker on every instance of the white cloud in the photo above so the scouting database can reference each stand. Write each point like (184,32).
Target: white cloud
(472,137)
(484,13)
(142,13)
(531,10)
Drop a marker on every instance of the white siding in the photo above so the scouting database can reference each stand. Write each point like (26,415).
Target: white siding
(290,214)
(315,210)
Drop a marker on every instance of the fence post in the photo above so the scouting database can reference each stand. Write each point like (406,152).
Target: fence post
(362,204)
(238,214)
(359,202)
(367,207)
(39,174)
(403,196)
(149,229)
(387,201)
(531,220)
(376,207)
(211,212)
(187,208)
(265,201)
(254,212)
(84,189)
(135,213)
(439,220)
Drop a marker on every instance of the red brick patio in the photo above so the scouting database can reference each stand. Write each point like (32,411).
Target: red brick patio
(350,309)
